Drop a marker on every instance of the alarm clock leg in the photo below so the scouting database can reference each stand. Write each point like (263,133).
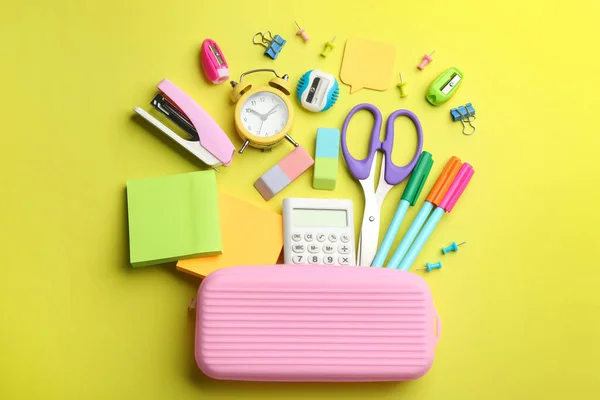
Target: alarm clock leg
(246,143)
(288,137)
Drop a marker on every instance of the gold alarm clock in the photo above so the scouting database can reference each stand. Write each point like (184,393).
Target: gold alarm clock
(263,115)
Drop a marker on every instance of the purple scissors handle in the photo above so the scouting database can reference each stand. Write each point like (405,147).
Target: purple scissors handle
(361,169)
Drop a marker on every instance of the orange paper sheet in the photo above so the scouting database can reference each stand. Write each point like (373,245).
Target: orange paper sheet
(251,235)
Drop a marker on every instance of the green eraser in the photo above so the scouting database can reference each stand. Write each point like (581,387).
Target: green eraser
(173,218)
(325,173)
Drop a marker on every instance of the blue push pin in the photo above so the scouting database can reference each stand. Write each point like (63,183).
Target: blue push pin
(452,247)
(431,267)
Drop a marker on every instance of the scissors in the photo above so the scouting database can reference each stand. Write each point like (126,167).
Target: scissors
(391,174)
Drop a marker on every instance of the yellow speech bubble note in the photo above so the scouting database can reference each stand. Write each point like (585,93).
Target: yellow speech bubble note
(368,64)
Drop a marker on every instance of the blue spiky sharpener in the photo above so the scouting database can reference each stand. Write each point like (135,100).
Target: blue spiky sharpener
(317,91)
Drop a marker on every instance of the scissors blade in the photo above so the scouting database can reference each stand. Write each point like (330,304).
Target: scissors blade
(369,232)
(383,187)
(369,238)
(359,246)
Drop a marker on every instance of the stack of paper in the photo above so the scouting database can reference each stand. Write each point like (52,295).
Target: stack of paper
(173,217)
(251,236)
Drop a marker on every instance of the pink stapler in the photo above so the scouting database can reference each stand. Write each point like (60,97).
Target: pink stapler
(213,62)
(207,140)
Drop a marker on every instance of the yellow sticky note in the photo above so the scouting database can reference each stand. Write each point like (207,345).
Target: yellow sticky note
(251,235)
(368,64)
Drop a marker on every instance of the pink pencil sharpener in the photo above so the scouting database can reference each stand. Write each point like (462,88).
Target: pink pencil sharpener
(213,62)
(306,323)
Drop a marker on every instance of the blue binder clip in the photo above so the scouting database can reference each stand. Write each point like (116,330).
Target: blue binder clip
(464,114)
(272,45)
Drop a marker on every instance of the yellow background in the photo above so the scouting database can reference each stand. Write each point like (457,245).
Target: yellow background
(519,303)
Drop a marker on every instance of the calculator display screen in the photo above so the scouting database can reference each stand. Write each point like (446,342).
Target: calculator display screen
(323,218)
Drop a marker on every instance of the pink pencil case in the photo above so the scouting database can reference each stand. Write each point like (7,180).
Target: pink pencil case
(315,323)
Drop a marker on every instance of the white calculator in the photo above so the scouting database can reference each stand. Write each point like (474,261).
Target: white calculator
(318,231)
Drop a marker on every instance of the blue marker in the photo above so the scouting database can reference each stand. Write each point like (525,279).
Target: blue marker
(434,198)
(421,239)
(409,198)
(452,195)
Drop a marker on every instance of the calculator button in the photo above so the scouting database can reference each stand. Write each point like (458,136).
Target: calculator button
(321,237)
(328,249)
(329,260)
(313,259)
(314,248)
(343,249)
(299,259)
(345,238)
(296,237)
(309,237)
(344,260)
(332,237)
(298,248)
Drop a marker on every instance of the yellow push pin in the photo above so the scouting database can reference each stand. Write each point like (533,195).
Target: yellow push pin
(401,86)
(328,47)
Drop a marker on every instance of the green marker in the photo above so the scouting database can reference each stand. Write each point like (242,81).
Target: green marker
(409,198)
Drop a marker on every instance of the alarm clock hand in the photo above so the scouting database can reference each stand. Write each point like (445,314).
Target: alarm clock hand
(262,116)
(271,111)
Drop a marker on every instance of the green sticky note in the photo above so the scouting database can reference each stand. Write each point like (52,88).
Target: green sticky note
(173,218)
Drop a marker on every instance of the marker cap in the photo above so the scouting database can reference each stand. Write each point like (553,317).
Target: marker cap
(458,187)
(441,186)
(417,178)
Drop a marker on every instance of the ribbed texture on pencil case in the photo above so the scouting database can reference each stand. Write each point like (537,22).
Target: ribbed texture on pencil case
(314,323)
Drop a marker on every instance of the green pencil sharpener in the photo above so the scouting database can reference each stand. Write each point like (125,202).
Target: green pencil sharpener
(444,86)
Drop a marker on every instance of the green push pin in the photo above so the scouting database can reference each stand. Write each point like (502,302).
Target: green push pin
(430,267)
(401,86)
(328,47)
(452,247)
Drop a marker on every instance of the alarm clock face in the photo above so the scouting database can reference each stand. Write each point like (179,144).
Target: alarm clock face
(264,114)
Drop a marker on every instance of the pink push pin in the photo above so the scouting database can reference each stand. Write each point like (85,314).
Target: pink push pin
(302,33)
(426,60)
